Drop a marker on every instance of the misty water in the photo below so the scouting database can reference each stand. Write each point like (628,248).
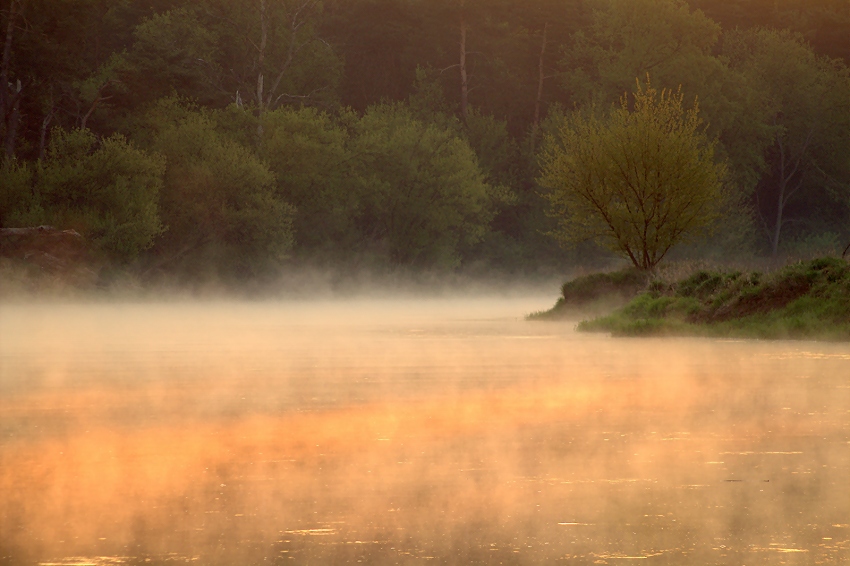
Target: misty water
(436,431)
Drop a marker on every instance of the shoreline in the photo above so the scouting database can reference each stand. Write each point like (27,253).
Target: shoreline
(803,301)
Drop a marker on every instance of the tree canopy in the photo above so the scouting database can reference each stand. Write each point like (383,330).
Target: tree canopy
(240,138)
(638,180)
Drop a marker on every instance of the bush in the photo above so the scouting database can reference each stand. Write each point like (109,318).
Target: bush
(106,190)
(424,196)
(219,200)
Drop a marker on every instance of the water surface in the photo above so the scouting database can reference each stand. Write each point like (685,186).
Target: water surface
(410,432)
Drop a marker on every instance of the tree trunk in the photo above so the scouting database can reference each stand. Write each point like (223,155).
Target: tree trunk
(9,100)
(45,125)
(789,167)
(777,227)
(464,79)
(4,62)
(97,100)
(261,57)
(540,78)
(13,118)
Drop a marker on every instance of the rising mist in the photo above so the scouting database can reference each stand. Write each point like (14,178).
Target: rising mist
(406,432)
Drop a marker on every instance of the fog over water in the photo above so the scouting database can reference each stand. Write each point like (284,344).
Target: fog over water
(433,431)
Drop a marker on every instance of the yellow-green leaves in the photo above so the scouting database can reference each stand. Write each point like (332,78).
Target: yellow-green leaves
(106,189)
(637,181)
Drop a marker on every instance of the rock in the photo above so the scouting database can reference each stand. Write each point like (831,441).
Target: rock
(57,252)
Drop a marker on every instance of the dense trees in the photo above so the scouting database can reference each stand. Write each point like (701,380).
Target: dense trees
(806,105)
(424,195)
(107,190)
(311,156)
(219,200)
(629,38)
(823,23)
(232,138)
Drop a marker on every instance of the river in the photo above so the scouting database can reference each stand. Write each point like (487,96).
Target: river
(431,431)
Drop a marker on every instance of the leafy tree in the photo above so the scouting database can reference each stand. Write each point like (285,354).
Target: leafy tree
(61,65)
(637,182)
(677,45)
(218,200)
(273,53)
(105,190)
(453,176)
(489,138)
(823,23)
(629,38)
(261,54)
(805,107)
(177,51)
(309,154)
(427,102)
(424,195)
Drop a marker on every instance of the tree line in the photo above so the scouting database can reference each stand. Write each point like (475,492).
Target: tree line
(229,138)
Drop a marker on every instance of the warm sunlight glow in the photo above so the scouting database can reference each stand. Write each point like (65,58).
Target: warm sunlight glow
(409,431)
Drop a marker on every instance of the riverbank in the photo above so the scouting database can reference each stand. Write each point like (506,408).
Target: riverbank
(596,294)
(804,300)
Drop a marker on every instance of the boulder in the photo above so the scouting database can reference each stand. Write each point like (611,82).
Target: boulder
(54,251)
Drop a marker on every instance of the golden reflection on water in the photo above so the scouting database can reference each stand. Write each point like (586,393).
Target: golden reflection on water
(448,432)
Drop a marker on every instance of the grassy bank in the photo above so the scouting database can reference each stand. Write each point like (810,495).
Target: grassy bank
(595,293)
(806,300)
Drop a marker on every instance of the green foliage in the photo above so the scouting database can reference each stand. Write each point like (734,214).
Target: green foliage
(824,23)
(219,200)
(423,193)
(175,50)
(803,300)
(638,181)
(629,38)
(805,101)
(428,101)
(17,199)
(700,285)
(626,282)
(274,54)
(106,190)
(310,156)
(495,149)
(251,70)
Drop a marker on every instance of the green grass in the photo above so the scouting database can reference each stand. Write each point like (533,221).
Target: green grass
(806,300)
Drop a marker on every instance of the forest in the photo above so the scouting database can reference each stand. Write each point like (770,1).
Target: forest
(227,139)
